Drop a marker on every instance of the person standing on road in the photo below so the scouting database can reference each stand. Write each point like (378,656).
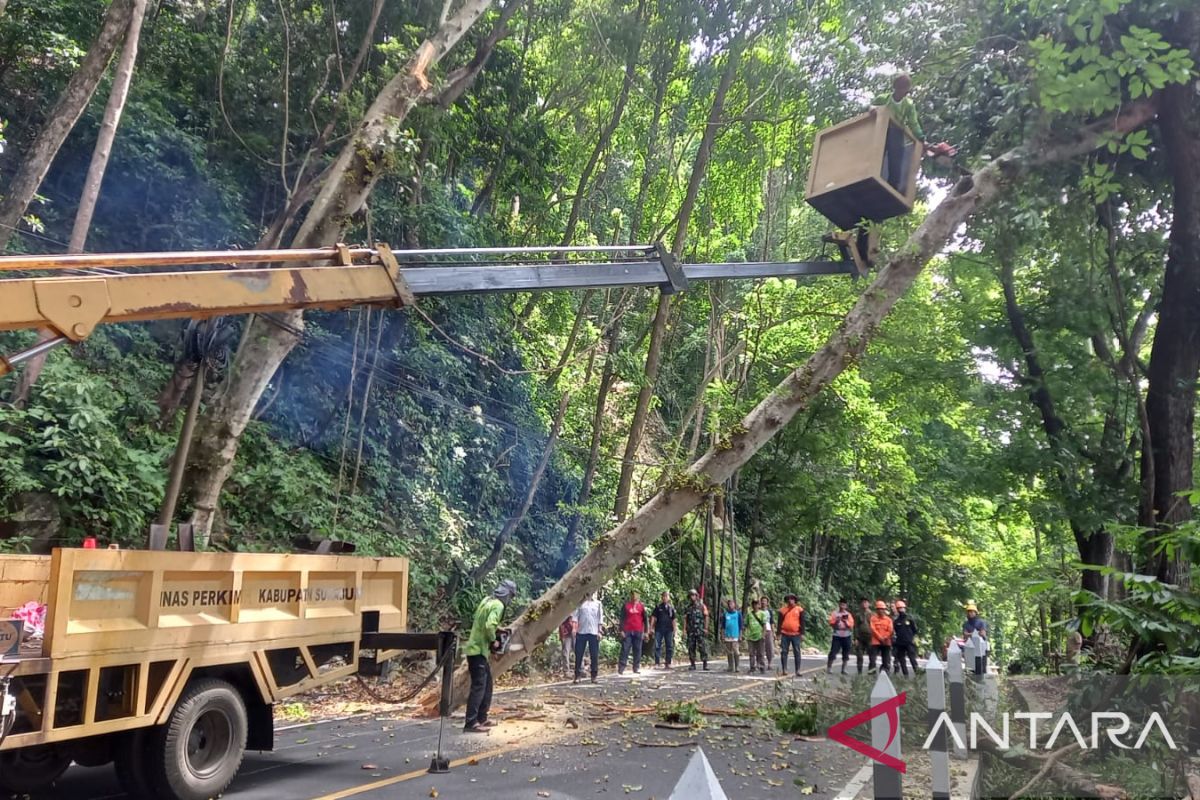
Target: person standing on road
(842,622)
(791,632)
(566,637)
(862,633)
(756,622)
(664,629)
(882,633)
(732,634)
(589,621)
(906,638)
(481,645)
(973,622)
(769,631)
(633,632)
(695,627)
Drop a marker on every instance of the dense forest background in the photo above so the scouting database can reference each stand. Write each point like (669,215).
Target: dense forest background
(1002,430)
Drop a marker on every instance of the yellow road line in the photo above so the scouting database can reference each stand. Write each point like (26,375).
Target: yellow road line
(458,762)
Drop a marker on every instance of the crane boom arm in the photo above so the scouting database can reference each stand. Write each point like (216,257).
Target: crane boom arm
(72,305)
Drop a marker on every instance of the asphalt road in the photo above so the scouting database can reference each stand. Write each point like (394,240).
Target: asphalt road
(535,753)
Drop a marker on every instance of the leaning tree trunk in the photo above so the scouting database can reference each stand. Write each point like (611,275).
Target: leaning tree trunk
(66,112)
(641,409)
(617,548)
(1175,355)
(122,77)
(347,184)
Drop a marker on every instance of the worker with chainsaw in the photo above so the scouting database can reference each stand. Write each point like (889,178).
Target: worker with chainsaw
(483,644)
(899,150)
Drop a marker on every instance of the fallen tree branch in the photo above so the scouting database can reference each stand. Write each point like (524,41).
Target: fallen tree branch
(1051,760)
(1073,779)
(640,743)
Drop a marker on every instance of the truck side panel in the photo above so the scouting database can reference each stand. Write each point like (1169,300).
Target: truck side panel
(126,630)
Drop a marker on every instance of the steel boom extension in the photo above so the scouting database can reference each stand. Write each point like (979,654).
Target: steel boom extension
(110,288)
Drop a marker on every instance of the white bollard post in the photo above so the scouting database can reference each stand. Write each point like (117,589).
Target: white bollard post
(939,755)
(887,784)
(968,653)
(958,696)
(978,645)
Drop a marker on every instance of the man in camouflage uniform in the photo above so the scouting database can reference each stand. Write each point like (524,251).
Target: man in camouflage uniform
(862,633)
(695,623)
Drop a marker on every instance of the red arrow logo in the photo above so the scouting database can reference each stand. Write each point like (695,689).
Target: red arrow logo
(890,707)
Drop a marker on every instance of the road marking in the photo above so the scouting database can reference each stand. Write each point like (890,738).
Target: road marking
(851,789)
(458,762)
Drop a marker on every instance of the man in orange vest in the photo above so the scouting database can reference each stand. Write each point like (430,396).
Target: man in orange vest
(791,632)
(882,634)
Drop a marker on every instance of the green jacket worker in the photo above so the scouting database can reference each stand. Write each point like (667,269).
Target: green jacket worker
(480,646)
(899,151)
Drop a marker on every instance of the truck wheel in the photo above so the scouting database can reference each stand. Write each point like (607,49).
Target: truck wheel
(198,752)
(129,757)
(30,769)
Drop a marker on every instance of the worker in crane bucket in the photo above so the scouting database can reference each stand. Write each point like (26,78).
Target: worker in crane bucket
(898,150)
(485,642)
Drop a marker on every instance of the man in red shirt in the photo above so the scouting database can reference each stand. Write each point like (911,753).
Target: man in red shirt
(633,632)
(566,637)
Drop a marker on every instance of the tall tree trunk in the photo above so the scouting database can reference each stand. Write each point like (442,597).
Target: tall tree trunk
(845,346)
(755,539)
(606,133)
(1095,545)
(62,118)
(347,184)
(513,522)
(122,77)
(1175,355)
(658,328)
(569,349)
(179,460)
(661,78)
(461,79)
(607,376)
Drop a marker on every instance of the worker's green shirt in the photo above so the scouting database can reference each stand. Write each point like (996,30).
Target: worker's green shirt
(755,623)
(483,628)
(903,111)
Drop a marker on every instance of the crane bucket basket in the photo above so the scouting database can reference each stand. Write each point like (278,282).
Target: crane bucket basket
(864,169)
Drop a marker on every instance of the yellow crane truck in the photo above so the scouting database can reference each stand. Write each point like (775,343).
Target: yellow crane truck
(168,664)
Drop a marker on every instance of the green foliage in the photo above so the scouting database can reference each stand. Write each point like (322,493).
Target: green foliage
(681,713)
(797,717)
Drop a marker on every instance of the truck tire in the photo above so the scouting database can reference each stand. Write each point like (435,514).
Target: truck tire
(31,769)
(198,752)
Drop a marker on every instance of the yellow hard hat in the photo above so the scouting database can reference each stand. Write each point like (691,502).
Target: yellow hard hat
(970,606)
